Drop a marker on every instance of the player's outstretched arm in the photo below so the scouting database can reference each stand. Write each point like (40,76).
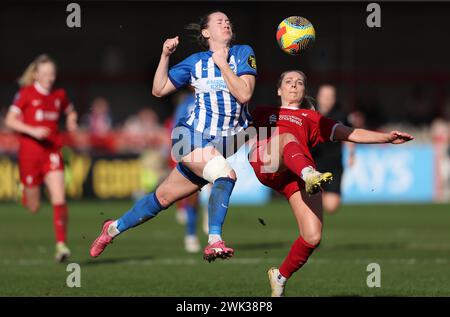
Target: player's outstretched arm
(162,86)
(344,133)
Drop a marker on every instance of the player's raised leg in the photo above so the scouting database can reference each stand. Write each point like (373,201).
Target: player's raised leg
(296,158)
(176,186)
(308,213)
(54,180)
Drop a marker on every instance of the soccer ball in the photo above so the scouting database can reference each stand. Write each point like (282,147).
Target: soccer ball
(295,34)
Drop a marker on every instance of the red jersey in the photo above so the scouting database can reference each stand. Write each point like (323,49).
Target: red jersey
(308,126)
(39,108)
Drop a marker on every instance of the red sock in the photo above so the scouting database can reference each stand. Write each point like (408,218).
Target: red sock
(295,159)
(60,222)
(298,255)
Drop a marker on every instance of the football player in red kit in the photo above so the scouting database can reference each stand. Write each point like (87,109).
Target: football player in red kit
(283,161)
(34,114)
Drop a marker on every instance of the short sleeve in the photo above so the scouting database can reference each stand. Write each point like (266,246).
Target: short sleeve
(180,74)
(325,129)
(246,61)
(19,102)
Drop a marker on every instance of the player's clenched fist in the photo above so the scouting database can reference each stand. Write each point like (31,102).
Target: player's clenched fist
(220,57)
(170,45)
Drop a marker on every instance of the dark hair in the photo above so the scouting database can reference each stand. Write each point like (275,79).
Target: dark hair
(308,102)
(201,25)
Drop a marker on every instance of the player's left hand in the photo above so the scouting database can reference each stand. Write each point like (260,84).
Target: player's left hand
(397,137)
(220,57)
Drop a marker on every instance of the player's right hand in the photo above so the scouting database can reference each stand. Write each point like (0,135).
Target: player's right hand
(40,133)
(170,45)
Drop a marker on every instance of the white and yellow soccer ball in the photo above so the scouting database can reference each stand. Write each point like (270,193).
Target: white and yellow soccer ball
(295,34)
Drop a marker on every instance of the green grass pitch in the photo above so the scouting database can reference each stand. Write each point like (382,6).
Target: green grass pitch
(411,243)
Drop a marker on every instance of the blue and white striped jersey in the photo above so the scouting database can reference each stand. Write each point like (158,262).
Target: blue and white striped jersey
(184,109)
(216,112)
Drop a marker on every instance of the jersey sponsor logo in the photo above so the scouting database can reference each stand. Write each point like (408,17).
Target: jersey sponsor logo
(42,115)
(36,102)
(292,119)
(251,61)
(216,84)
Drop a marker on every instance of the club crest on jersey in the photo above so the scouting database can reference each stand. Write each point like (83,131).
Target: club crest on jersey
(36,102)
(273,119)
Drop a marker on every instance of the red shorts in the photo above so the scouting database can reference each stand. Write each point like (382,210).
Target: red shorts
(34,165)
(285,182)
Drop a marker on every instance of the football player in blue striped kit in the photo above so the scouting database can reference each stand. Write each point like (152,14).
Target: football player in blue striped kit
(223,77)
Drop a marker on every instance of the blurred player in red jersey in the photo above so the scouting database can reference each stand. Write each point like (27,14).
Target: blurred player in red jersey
(35,114)
(283,161)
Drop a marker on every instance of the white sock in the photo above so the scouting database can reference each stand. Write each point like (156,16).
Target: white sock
(281,279)
(306,171)
(112,229)
(191,236)
(213,238)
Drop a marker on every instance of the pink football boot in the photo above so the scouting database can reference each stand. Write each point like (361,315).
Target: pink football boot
(217,250)
(99,245)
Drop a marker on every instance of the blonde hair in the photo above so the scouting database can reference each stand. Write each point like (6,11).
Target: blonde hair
(27,77)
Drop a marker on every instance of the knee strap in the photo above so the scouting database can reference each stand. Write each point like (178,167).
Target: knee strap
(216,168)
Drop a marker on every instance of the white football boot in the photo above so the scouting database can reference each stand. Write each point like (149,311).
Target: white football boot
(62,252)
(276,286)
